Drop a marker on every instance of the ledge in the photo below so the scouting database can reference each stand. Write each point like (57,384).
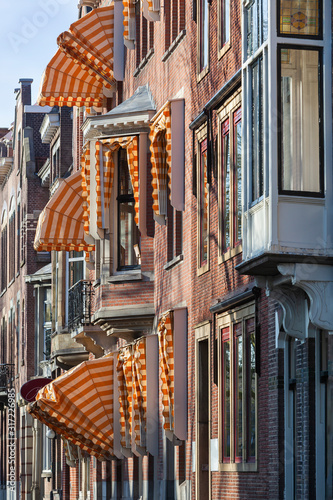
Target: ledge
(174,45)
(120,278)
(143,63)
(173,262)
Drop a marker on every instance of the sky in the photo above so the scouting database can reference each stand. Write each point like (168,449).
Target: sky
(28,41)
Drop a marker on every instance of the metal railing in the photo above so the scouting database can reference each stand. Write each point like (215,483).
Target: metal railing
(6,382)
(80,298)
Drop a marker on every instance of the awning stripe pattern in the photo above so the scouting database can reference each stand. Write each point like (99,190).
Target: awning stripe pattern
(85,180)
(65,83)
(89,42)
(129,23)
(139,393)
(83,65)
(60,225)
(160,147)
(110,146)
(165,337)
(79,406)
(125,386)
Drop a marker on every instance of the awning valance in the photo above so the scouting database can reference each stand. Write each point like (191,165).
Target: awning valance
(61,225)
(105,172)
(165,337)
(83,66)
(78,405)
(160,148)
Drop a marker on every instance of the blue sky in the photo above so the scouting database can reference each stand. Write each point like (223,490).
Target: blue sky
(28,40)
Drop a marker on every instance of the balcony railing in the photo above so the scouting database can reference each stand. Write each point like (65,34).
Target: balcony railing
(80,304)
(6,380)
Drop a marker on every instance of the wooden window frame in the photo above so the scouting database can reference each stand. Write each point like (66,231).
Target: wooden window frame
(202,71)
(223,45)
(227,112)
(202,266)
(227,321)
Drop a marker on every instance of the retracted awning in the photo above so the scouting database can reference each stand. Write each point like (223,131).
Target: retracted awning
(61,225)
(78,405)
(82,68)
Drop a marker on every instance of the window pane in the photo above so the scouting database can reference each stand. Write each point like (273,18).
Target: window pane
(125,184)
(238,176)
(203,204)
(226,394)
(226,184)
(225,21)
(299,136)
(238,350)
(257,131)
(299,17)
(75,272)
(203,34)
(251,389)
(129,235)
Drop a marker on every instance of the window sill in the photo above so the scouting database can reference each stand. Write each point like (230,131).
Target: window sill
(224,50)
(143,63)
(232,252)
(127,276)
(3,292)
(203,269)
(174,45)
(173,262)
(46,473)
(239,467)
(202,74)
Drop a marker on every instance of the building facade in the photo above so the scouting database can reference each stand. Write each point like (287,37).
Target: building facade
(189,223)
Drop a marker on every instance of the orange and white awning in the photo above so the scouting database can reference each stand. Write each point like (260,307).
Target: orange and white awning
(82,68)
(105,172)
(166,348)
(78,405)
(129,23)
(60,225)
(160,148)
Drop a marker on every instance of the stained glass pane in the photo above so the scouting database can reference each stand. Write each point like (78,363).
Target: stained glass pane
(299,17)
(238,349)
(251,389)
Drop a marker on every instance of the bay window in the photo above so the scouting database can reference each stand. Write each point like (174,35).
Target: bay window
(238,390)
(300,128)
(257,130)
(300,18)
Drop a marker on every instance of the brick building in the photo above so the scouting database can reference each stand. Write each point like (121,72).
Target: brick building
(22,199)
(181,263)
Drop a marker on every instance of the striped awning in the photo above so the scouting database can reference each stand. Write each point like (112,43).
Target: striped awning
(125,386)
(85,172)
(83,66)
(78,405)
(105,172)
(165,337)
(140,393)
(129,23)
(60,225)
(160,148)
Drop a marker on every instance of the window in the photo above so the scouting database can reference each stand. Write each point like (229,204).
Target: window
(203,208)
(3,274)
(257,131)
(174,12)
(238,390)
(224,25)
(300,122)
(55,164)
(300,18)
(18,238)
(256,16)
(230,179)
(128,232)
(11,231)
(47,456)
(203,37)
(144,35)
